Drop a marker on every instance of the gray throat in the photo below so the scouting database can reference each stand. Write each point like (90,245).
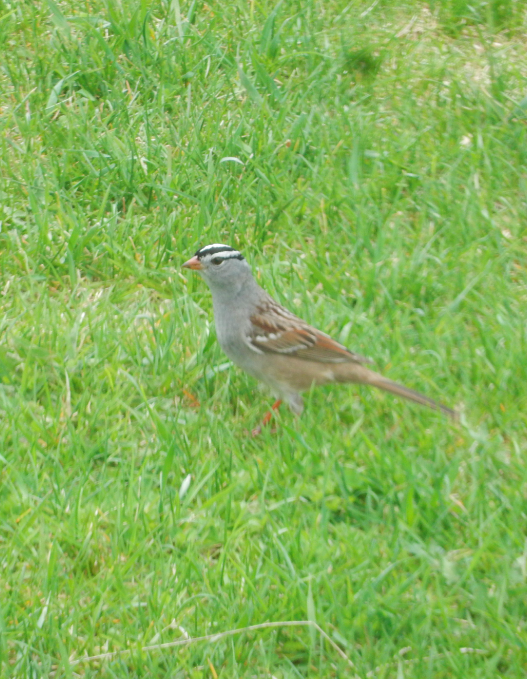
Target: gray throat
(236,301)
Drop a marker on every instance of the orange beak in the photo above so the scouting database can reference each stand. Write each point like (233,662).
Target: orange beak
(192,263)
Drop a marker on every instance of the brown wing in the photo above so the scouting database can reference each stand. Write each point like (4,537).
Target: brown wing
(276,330)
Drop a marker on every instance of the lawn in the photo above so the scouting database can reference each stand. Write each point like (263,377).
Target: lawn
(370,160)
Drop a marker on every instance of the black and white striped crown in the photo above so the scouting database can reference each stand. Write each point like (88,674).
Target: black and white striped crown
(223,251)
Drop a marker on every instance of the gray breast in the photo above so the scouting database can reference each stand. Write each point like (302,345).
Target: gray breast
(231,329)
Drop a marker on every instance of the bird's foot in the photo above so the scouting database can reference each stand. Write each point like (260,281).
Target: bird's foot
(267,418)
(194,402)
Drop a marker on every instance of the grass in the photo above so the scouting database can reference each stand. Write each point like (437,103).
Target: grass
(380,191)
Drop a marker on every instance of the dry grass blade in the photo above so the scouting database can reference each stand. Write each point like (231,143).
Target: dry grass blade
(211,638)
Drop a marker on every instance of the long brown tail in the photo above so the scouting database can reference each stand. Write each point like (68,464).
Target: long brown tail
(365,376)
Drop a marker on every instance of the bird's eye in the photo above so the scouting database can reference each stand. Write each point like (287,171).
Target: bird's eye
(216,261)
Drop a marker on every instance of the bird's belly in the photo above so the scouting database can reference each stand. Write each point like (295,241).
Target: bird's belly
(242,356)
(298,374)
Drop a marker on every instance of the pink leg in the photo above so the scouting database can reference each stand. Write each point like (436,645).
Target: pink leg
(267,418)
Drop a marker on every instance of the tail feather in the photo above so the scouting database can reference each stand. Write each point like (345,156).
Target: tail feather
(412,395)
(372,378)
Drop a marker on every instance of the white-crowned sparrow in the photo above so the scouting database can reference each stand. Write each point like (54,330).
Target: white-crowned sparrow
(275,346)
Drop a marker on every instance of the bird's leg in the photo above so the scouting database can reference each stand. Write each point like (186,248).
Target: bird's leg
(268,415)
(267,418)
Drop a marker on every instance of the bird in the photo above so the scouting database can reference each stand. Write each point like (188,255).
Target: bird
(274,345)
